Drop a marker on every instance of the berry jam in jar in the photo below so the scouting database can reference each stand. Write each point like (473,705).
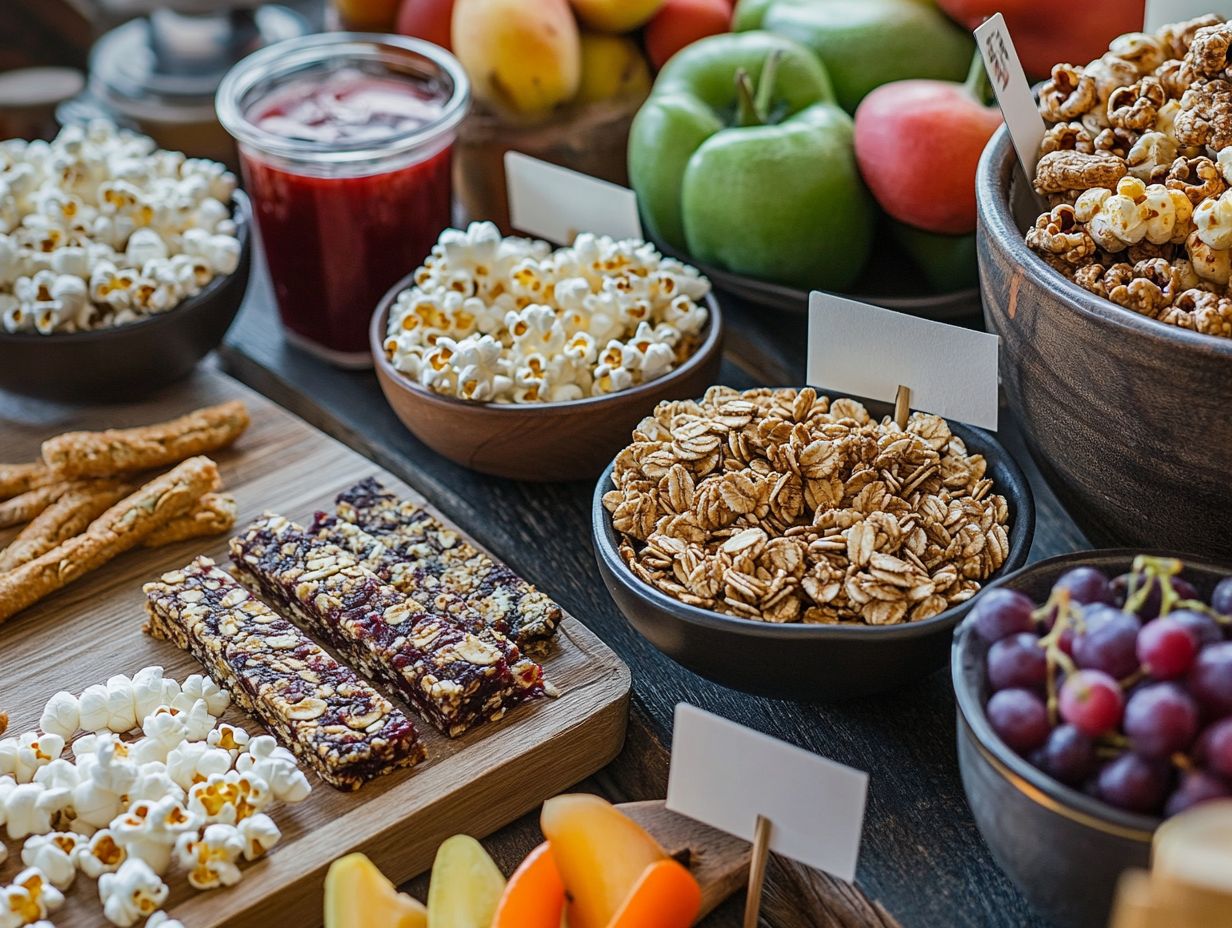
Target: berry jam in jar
(345,144)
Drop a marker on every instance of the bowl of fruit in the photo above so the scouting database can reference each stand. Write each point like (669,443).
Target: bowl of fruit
(1094,700)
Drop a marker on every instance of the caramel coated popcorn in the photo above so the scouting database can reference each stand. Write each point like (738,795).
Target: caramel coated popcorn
(1135,166)
(785,506)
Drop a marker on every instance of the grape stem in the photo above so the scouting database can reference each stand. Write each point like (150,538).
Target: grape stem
(1054,657)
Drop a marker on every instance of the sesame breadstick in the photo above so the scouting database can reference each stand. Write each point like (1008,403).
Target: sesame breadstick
(104,454)
(18,478)
(214,514)
(121,527)
(66,517)
(26,506)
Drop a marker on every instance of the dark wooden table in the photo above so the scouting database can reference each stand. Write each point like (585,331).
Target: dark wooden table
(922,857)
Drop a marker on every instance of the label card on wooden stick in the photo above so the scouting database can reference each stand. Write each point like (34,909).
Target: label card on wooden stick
(1014,96)
(855,349)
(729,777)
(556,203)
(1161,12)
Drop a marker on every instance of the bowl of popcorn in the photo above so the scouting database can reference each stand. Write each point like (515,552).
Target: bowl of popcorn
(792,545)
(1108,284)
(121,265)
(515,359)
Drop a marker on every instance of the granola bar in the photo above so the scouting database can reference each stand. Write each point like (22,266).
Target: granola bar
(102,454)
(451,675)
(434,558)
(333,721)
(63,519)
(213,514)
(120,528)
(18,478)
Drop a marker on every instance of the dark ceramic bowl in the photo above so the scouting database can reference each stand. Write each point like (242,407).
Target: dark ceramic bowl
(128,361)
(536,441)
(1064,849)
(1126,416)
(806,663)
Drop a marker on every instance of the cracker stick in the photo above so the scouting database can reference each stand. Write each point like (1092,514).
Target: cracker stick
(121,527)
(214,514)
(18,478)
(66,517)
(26,506)
(104,454)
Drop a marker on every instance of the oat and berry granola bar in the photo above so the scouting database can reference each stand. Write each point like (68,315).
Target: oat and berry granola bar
(425,557)
(452,675)
(333,721)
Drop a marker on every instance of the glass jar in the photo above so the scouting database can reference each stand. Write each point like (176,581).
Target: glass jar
(345,143)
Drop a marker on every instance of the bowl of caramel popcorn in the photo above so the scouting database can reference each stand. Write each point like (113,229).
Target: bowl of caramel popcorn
(516,359)
(1107,279)
(800,546)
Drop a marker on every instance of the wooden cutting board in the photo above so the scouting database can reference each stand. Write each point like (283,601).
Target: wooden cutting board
(475,784)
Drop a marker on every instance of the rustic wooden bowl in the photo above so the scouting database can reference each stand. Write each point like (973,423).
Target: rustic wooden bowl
(1126,416)
(805,663)
(545,442)
(1064,849)
(129,361)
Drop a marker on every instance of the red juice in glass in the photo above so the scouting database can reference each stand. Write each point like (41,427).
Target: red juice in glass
(345,144)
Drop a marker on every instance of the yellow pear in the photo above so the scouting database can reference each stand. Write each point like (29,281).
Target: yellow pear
(523,58)
(616,15)
(357,895)
(612,66)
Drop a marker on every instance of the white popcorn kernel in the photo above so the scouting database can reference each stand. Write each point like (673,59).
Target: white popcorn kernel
(145,245)
(93,708)
(210,859)
(59,774)
(229,738)
(30,897)
(152,690)
(149,829)
(153,784)
(162,920)
(132,892)
(35,750)
(100,854)
(164,731)
(198,721)
(29,809)
(196,761)
(197,686)
(60,715)
(15,317)
(54,854)
(259,833)
(8,756)
(1213,217)
(121,716)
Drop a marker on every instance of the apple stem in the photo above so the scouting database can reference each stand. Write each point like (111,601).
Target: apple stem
(746,102)
(977,83)
(765,84)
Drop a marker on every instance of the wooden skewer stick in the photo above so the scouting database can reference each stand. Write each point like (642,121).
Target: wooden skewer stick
(757,868)
(902,406)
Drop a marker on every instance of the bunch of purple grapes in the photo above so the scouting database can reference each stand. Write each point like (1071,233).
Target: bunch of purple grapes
(1121,688)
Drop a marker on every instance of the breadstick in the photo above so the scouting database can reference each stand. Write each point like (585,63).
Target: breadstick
(28,505)
(66,517)
(104,454)
(121,527)
(18,478)
(214,514)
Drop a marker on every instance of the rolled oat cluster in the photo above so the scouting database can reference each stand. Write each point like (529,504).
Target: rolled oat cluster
(1136,166)
(509,320)
(785,506)
(100,228)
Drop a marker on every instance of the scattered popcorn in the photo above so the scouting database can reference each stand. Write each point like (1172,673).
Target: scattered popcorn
(154,777)
(54,854)
(132,893)
(98,229)
(508,320)
(162,920)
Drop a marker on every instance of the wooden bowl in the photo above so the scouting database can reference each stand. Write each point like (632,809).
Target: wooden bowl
(1064,849)
(544,442)
(129,361)
(1126,416)
(806,663)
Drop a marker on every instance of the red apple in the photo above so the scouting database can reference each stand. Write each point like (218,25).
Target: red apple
(917,144)
(426,19)
(682,22)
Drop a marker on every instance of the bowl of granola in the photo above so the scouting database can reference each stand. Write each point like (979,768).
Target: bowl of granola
(121,265)
(1108,284)
(790,545)
(517,360)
